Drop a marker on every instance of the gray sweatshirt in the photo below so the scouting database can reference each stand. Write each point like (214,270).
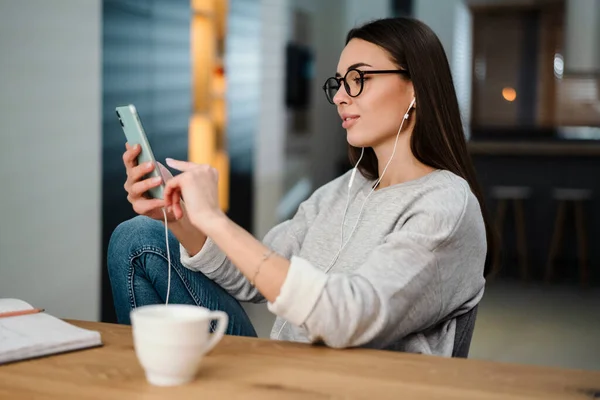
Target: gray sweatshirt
(414,262)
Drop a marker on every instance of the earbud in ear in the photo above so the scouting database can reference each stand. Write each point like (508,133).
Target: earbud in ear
(412,103)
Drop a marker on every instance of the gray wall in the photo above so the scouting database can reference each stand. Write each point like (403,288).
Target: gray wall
(270,136)
(50,154)
(268,131)
(360,11)
(242,68)
(328,140)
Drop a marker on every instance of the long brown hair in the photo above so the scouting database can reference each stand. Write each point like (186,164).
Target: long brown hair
(438,139)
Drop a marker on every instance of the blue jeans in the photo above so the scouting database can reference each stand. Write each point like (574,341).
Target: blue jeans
(138,271)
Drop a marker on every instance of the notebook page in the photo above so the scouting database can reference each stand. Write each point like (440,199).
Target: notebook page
(40,334)
(7,305)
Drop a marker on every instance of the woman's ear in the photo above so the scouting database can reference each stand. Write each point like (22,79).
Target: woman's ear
(410,107)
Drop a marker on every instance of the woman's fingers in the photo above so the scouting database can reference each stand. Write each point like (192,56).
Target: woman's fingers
(130,155)
(169,192)
(180,165)
(172,196)
(138,189)
(137,173)
(146,206)
(176,203)
(177,211)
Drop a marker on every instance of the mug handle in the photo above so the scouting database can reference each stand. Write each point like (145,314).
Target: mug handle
(222,323)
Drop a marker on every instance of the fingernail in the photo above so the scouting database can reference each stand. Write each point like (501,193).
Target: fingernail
(169,209)
(156,179)
(149,164)
(169,160)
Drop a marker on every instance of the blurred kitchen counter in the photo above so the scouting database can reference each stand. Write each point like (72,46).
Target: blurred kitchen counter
(534,148)
(542,165)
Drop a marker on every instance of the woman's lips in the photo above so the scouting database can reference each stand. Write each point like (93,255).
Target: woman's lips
(350,121)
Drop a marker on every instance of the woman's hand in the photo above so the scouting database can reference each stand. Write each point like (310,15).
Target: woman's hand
(136,187)
(198,185)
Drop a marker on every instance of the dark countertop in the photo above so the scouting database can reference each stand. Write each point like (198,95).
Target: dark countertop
(535,148)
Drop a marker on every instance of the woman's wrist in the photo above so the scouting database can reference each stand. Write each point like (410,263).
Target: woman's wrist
(188,235)
(211,223)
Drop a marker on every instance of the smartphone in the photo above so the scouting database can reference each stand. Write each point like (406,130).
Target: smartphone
(134,132)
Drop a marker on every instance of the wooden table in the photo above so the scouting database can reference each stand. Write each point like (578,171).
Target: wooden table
(262,369)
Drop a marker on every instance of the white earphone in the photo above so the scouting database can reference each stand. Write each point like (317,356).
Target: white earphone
(342,243)
(410,106)
(406,116)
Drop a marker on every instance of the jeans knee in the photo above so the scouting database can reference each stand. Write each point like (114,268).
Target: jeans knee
(129,236)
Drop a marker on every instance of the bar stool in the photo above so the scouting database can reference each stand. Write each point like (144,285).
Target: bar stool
(576,197)
(516,195)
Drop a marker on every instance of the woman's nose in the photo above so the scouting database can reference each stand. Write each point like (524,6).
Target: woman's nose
(341,96)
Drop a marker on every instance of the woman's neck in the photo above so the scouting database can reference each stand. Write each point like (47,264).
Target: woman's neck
(404,166)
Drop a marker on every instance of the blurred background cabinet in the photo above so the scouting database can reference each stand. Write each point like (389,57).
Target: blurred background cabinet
(207,134)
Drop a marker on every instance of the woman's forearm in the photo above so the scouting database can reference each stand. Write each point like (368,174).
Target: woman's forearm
(247,255)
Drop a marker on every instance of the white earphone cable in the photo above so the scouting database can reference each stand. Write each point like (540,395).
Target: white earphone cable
(342,243)
(168,256)
(362,152)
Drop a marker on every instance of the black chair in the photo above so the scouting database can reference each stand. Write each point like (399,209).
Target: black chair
(465,325)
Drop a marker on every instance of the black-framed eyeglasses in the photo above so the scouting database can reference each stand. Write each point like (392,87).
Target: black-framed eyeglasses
(354,81)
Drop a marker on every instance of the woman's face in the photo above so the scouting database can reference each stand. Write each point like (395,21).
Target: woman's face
(373,118)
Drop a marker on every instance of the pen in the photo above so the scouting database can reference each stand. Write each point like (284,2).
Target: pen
(21,312)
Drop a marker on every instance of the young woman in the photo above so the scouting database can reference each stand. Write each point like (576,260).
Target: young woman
(386,258)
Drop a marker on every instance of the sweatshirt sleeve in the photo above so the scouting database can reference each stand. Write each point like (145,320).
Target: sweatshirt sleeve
(407,284)
(285,239)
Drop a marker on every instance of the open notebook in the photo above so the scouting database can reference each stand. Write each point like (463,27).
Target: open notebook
(40,334)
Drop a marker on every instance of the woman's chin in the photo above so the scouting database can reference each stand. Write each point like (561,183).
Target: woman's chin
(357,139)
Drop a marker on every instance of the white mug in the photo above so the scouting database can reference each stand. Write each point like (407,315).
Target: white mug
(170,340)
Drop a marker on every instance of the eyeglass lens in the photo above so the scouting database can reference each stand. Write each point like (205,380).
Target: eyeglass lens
(352,81)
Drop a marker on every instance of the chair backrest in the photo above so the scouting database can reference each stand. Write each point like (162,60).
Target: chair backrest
(465,324)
